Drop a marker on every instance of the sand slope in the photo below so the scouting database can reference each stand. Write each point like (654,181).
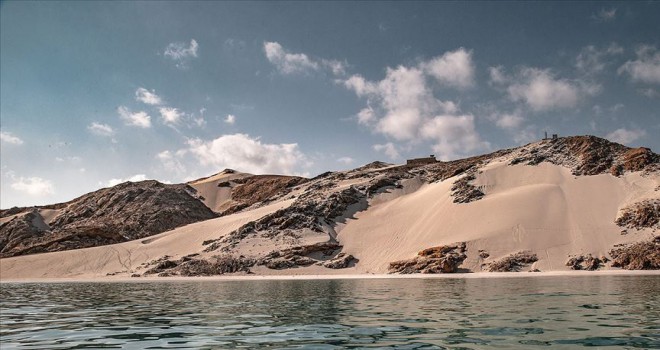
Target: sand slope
(540,208)
(543,208)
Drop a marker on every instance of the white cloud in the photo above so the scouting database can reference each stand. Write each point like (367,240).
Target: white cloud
(542,91)
(592,60)
(171,163)
(148,97)
(134,178)
(34,186)
(389,149)
(454,68)
(625,136)
(403,106)
(101,129)
(452,134)
(346,160)
(509,121)
(139,119)
(497,75)
(605,15)
(9,138)
(288,63)
(242,152)
(170,116)
(646,68)
(230,119)
(180,53)
(292,63)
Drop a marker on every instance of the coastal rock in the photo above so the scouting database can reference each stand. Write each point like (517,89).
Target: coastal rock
(341,261)
(584,262)
(442,259)
(513,263)
(637,256)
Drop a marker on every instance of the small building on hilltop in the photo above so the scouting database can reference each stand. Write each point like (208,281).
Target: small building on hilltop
(421,161)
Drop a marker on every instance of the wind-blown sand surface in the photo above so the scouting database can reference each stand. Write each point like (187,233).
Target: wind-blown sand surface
(543,208)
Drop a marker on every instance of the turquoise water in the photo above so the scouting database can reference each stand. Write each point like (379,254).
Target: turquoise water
(615,312)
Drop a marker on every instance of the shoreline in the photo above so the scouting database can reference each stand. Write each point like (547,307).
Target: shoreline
(221,278)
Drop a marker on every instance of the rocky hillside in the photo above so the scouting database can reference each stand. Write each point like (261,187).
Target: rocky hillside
(121,213)
(305,228)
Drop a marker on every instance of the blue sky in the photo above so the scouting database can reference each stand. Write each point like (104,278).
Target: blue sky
(94,93)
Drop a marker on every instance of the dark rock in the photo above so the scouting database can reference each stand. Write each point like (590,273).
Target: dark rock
(513,263)
(640,215)
(442,259)
(584,262)
(637,256)
(341,261)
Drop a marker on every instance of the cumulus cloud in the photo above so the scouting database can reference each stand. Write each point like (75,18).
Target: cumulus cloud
(389,149)
(403,106)
(345,160)
(170,116)
(646,68)
(138,119)
(541,90)
(245,153)
(509,121)
(134,178)
(171,163)
(34,186)
(7,137)
(101,129)
(148,97)
(626,136)
(454,68)
(592,60)
(497,75)
(230,119)
(299,63)
(605,15)
(180,53)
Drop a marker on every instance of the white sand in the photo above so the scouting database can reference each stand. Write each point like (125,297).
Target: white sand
(540,208)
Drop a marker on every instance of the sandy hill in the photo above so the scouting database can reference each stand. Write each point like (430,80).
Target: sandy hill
(572,203)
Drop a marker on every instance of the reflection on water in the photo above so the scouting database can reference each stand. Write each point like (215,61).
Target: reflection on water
(523,313)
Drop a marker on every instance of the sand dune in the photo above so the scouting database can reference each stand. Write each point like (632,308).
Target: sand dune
(543,209)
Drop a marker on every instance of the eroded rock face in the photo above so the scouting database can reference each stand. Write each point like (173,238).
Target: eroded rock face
(464,191)
(585,262)
(442,259)
(637,256)
(121,213)
(640,215)
(513,263)
(324,254)
(191,266)
(588,155)
(257,189)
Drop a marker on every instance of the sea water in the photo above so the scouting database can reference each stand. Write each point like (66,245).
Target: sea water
(619,312)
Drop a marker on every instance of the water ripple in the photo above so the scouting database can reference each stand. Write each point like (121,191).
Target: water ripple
(521,313)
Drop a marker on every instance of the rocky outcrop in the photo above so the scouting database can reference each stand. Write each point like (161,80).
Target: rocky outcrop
(587,155)
(128,211)
(258,189)
(513,263)
(640,215)
(464,191)
(192,266)
(442,259)
(324,254)
(585,262)
(637,256)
